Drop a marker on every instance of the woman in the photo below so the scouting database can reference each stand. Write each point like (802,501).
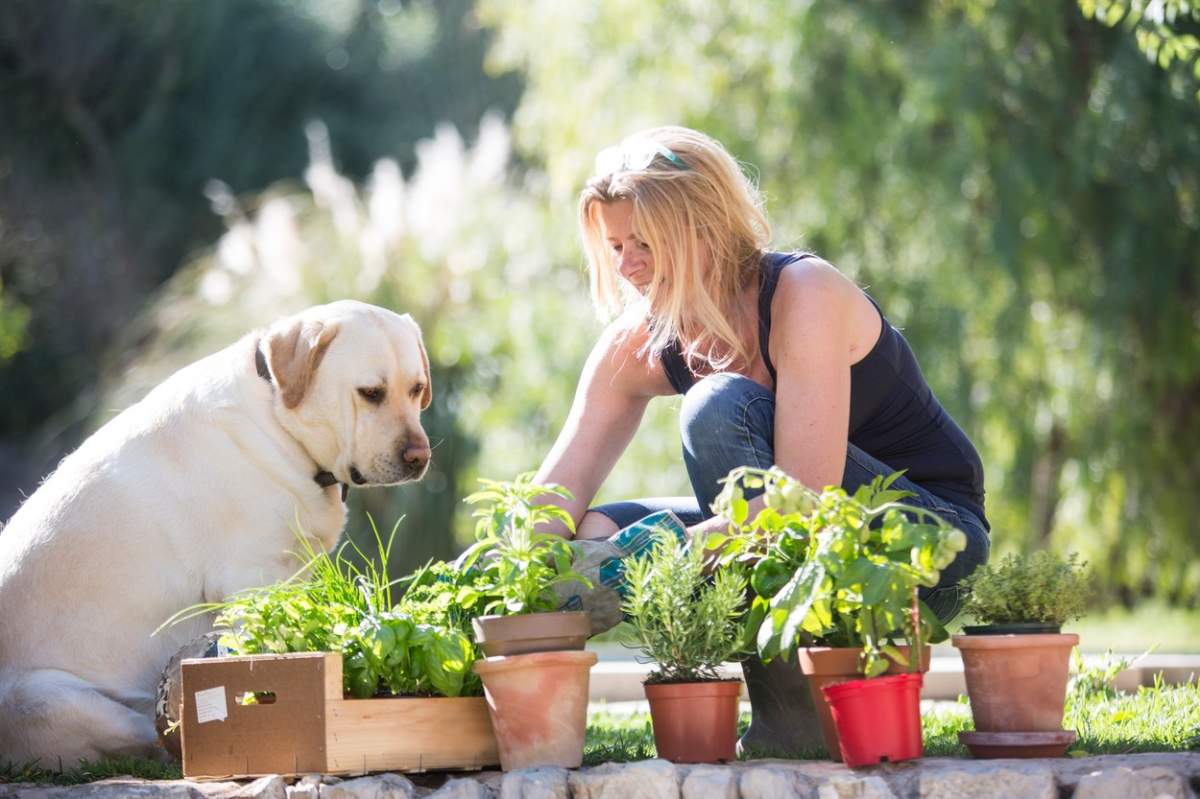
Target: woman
(781,359)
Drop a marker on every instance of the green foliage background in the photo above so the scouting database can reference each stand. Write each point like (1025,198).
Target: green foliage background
(1015,182)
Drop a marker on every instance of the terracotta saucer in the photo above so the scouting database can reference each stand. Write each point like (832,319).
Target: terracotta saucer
(1018,744)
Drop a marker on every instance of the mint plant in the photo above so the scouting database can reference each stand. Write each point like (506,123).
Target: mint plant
(681,621)
(517,566)
(1040,587)
(835,569)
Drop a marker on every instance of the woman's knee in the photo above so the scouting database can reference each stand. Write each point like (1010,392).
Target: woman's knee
(720,406)
(946,600)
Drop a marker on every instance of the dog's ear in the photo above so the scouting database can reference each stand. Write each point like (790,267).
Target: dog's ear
(293,355)
(427,394)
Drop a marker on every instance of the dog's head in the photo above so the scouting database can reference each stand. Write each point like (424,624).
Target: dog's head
(352,381)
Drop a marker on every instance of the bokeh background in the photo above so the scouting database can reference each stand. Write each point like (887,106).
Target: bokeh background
(1018,184)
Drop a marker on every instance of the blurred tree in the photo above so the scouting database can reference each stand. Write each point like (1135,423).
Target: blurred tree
(1165,30)
(1013,181)
(115,113)
(13,320)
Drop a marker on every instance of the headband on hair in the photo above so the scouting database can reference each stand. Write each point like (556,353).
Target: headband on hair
(634,153)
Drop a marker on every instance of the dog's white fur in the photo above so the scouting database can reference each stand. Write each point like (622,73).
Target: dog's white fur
(188,496)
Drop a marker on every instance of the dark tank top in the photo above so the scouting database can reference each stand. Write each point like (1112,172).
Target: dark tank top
(894,416)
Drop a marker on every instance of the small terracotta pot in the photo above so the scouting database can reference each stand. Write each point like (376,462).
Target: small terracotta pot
(695,722)
(565,630)
(538,704)
(826,665)
(1017,683)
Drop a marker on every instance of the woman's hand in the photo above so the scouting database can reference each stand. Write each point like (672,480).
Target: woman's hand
(698,533)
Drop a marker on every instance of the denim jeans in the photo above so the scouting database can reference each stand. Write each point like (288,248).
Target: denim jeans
(728,421)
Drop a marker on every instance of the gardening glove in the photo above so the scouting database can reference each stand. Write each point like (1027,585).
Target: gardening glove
(603,564)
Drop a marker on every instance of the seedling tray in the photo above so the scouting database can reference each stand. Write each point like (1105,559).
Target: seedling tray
(300,723)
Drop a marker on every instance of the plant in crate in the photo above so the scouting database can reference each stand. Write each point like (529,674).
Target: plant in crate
(687,625)
(332,604)
(535,676)
(384,638)
(1016,659)
(836,575)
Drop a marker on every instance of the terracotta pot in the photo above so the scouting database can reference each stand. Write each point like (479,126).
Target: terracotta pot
(878,720)
(565,630)
(695,722)
(824,666)
(1017,683)
(538,704)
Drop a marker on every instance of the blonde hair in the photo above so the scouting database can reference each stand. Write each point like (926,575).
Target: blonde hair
(702,219)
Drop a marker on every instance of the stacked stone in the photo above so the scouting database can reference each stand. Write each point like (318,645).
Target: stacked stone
(1148,776)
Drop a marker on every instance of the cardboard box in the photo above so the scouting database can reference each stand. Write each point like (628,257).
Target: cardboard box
(300,723)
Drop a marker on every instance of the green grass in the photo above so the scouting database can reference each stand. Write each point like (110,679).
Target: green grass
(617,738)
(90,772)
(1156,719)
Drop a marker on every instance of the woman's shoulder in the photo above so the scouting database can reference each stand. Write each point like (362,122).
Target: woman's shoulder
(815,302)
(808,279)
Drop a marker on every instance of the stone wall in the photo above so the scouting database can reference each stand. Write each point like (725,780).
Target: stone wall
(1149,776)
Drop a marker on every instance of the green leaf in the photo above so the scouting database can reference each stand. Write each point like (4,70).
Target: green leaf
(715,541)
(739,510)
(769,575)
(877,585)
(790,607)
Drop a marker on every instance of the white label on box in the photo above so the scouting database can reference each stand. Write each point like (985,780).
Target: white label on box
(210,705)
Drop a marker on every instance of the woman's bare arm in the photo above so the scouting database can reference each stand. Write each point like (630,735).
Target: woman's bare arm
(824,324)
(614,389)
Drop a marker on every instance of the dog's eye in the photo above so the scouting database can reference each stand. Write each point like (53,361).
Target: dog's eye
(373,395)
(416,390)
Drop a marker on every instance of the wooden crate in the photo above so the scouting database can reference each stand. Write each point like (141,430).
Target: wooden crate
(304,725)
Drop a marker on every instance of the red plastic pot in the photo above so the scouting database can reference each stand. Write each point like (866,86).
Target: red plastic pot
(877,719)
(826,666)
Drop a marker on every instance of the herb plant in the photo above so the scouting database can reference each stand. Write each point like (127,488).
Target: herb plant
(409,658)
(684,623)
(517,566)
(833,568)
(1040,587)
(445,596)
(333,605)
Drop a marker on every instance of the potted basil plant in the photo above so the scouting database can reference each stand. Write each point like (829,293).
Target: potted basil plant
(835,577)
(1016,659)
(535,676)
(687,625)
(519,567)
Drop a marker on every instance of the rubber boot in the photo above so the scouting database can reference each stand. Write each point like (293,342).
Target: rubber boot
(783,722)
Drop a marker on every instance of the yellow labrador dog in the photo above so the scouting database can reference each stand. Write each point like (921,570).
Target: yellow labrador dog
(188,496)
